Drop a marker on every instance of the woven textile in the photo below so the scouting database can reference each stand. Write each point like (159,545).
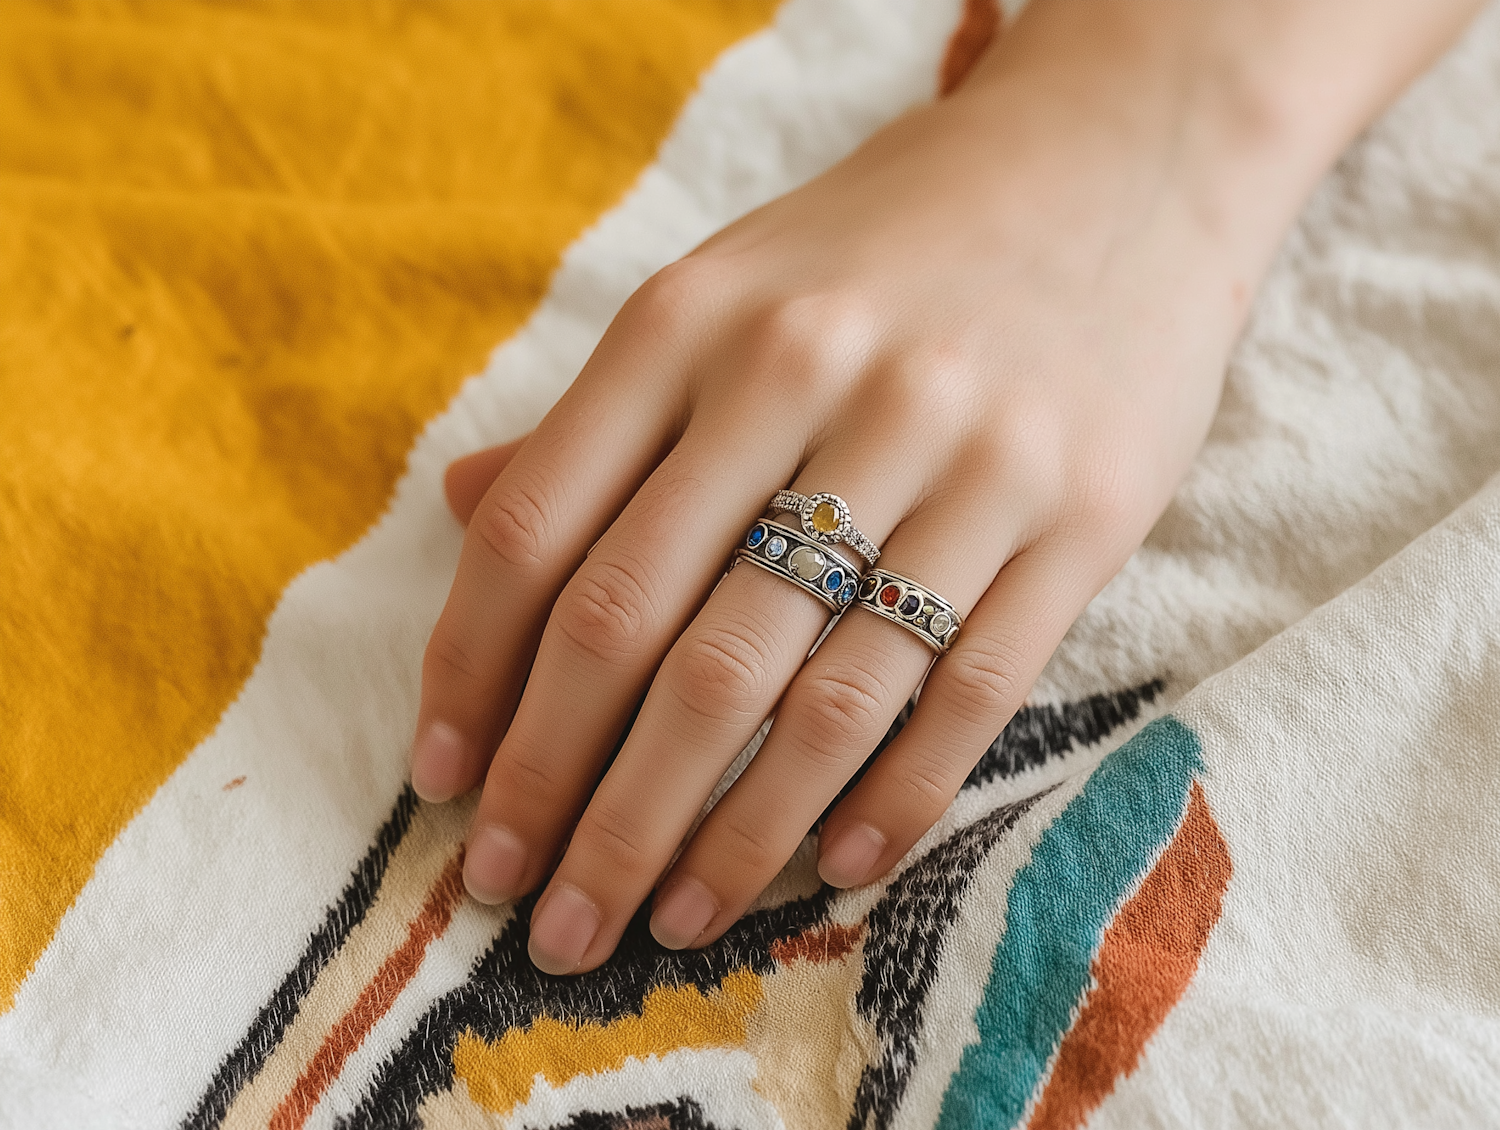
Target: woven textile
(269,267)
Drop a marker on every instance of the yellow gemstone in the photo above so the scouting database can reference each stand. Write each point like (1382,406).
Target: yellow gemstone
(825,518)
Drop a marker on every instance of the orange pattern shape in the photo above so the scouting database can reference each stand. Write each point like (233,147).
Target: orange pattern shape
(376,999)
(1149,954)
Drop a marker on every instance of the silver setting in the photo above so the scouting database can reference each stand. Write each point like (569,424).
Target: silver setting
(844,533)
(914,606)
(805,562)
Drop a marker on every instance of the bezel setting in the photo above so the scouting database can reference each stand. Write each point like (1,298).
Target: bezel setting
(813,513)
(839,533)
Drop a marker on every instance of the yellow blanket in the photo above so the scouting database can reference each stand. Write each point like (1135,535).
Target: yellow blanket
(267,267)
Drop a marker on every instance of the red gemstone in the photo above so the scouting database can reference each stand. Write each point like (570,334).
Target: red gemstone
(889,595)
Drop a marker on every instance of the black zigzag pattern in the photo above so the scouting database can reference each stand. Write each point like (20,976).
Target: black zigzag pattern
(242,1064)
(1039,733)
(684,1114)
(506,991)
(1034,736)
(907,929)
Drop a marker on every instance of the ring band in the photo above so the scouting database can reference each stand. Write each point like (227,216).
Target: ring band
(784,551)
(825,518)
(915,607)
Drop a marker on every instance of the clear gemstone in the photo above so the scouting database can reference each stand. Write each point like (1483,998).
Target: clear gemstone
(807,563)
(825,518)
(775,547)
(940,624)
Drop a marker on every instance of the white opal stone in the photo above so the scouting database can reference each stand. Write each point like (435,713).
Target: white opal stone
(940,625)
(807,563)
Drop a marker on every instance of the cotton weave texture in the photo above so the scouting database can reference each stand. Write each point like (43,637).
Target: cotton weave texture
(267,268)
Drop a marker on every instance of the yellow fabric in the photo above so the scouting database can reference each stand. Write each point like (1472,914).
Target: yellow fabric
(500,1075)
(246,250)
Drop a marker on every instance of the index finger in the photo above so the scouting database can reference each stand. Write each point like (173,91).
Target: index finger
(529,533)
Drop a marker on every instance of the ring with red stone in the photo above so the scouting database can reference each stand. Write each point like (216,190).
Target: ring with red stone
(808,565)
(915,607)
(826,519)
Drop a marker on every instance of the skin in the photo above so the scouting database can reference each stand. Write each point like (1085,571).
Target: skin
(999,331)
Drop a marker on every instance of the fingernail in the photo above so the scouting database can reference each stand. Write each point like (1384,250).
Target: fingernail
(848,861)
(683,913)
(494,864)
(436,760)
(562,930)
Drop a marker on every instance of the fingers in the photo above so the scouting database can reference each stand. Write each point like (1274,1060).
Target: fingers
(527,535)
(607,634)
(713,690)
(969,697)
(468,478)
(715,687)
(833,715)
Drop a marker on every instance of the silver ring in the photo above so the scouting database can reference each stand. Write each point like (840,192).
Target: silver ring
(825,518)
(784,551)
(915,607)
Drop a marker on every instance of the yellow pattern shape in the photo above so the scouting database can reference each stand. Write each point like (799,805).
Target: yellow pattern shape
(501,1074)
(246,251)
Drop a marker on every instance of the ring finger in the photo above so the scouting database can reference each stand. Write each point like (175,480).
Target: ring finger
(834,714)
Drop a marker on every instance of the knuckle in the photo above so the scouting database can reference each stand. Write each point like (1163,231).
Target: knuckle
(749,845)
(721,671)
(811,340)
(531,778)
(1107,499)
(666,302)
(929,782)
(446,660)
(840,711)
(986,682)
(614,836)
(512,525)
(605,612)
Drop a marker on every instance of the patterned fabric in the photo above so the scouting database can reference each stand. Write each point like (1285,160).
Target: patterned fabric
(1233,865)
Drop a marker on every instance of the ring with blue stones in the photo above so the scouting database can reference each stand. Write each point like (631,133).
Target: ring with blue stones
(811,567)
(915,607)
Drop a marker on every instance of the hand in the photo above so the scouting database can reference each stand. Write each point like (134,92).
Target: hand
(998,331)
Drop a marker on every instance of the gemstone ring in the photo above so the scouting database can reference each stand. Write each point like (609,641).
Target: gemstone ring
(915,607)
(825,518)
(784,551)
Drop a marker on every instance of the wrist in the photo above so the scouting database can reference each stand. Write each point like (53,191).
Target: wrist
(1231,110)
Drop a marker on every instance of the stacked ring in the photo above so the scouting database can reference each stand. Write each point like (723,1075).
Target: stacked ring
(915,607)
(784,551)
(826,519)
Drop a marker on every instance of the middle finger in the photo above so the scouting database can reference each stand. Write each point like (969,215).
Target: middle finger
(714,689)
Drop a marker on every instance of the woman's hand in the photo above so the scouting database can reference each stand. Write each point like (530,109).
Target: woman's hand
(997,330)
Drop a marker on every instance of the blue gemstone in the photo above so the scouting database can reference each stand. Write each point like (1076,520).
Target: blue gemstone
(756,536)
(834,579)
(848,594)
(775,547)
